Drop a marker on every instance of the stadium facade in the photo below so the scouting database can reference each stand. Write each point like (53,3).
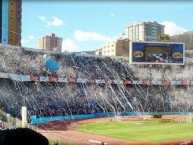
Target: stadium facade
(10,22)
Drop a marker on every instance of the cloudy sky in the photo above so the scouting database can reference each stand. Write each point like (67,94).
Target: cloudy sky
(85,25)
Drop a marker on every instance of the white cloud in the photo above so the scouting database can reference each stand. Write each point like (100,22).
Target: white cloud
(23,41)
(55,22)
(112,14)
(42,18)
(85,36)
(172,28)
(29,40)
(69,45)
(31,37)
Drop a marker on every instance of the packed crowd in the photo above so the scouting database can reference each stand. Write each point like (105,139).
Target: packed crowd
(18,60)
(27,62)
(54,99)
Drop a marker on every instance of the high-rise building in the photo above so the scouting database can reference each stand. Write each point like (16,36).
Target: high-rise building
(10,22)
(144,31)
(50,43)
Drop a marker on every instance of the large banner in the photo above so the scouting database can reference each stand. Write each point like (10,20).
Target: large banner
(157,53)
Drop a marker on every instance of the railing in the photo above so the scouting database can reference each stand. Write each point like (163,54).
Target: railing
(28,78)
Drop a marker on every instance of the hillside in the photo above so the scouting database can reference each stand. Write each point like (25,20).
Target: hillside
(186,37)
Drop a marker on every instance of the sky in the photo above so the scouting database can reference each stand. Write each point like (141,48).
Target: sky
(88,25)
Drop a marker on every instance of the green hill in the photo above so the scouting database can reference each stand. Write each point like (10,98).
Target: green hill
(186,38)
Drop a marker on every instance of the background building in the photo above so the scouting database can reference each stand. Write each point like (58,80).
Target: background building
(98,52)
(51,43)
(119,47)
(10,22)
(144,31)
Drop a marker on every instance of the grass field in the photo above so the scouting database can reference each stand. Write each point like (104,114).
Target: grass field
(153,131)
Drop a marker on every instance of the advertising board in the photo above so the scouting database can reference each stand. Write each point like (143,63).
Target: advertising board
(157,53)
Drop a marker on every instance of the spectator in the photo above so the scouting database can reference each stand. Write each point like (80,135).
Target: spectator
(22,136)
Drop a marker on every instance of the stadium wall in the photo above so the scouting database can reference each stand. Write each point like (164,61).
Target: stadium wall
(36,121)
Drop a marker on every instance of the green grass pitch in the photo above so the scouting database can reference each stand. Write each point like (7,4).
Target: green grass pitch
(153,131)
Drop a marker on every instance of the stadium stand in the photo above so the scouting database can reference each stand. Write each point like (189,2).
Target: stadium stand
(87,84)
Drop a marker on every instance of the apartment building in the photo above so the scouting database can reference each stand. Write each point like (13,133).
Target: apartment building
(144,31)
(50,43)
